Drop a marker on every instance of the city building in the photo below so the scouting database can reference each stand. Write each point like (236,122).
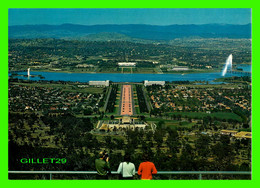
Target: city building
(119,123)
(99,83)
(236,134)
(180,68)
(126,64)
(228,132)
(84,65)
(243,134)
(181,87)
(149,83)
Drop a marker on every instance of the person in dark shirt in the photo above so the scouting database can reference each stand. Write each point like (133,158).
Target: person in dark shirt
(102,166)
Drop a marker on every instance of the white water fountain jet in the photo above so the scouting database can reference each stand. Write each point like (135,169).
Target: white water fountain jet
(228,64)
(28,73)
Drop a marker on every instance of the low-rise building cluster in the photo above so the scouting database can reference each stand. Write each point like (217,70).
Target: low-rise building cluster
(37,98)
(180,98)
(236,134)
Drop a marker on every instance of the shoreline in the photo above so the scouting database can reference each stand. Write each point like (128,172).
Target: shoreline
(181,72)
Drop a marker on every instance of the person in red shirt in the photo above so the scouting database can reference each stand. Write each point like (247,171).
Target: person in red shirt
(146,169)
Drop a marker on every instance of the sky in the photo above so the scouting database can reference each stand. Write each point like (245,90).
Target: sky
(128,16)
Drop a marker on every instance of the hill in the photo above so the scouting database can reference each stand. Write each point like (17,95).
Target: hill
(130,31)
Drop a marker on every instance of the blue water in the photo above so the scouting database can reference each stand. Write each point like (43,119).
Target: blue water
(85,77)
(246,68)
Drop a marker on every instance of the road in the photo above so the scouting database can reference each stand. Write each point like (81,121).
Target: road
(126,100)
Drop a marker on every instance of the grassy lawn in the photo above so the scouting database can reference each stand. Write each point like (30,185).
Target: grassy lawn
(145,70)
(92,90)
(192,71)
(126,70)
(137,110)
(107,70)
(116,110)
(67,70)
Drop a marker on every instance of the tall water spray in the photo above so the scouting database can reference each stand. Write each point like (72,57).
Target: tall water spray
(28,72)
(228,64)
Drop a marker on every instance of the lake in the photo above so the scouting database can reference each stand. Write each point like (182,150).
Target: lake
(117,77)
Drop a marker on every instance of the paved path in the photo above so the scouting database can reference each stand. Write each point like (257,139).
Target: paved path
(126,100)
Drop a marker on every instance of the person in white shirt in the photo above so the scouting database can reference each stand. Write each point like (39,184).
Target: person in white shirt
(126,168)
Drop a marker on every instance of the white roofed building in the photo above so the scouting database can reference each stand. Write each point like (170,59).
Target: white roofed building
(180,68)
(149,83)
(127,64)
(99,83)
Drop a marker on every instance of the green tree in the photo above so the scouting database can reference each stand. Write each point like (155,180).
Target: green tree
(160,124)
(203,146)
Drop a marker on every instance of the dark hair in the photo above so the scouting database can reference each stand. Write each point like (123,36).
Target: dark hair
(146,157)
(100,155)
(127,158)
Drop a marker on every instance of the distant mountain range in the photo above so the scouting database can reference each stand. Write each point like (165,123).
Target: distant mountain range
(129,32)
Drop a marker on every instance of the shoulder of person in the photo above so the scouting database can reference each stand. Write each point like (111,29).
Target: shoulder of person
(149,163)
(131,163)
